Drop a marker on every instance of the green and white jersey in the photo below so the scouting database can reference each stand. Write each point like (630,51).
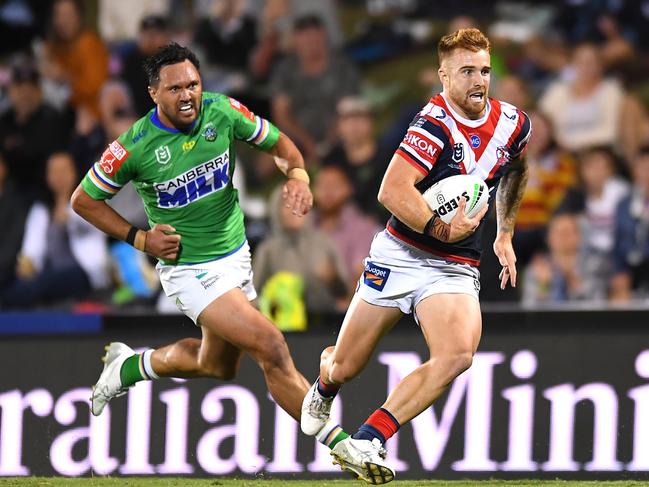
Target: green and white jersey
(185,177)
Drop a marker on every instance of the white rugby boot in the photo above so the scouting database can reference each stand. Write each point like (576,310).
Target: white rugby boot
(315,411)
(365,459)
(109,384)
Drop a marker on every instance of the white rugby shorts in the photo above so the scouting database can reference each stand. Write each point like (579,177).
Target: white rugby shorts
(194,286)
(398,275)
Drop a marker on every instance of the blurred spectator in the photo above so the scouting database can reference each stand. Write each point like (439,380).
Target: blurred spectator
(359,152)
(153,33)
(226,38)
(551,172)
(339,218)
(587,110)
(631,253)
(597,198)
(136,276)
(542,60)
(91,136)
(514,90)
(121,20)
(597,22)
(13,212)
(76,57)
(30,130)
(567,272)
(306,86)
(274,26)
(271,38)
(297,267)
(116,108)
(62,255)
(20,22)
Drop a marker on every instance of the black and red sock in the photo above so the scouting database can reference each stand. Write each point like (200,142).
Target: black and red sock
(327,390)
(381,424)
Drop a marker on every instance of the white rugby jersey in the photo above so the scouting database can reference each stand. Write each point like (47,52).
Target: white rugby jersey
(441,143)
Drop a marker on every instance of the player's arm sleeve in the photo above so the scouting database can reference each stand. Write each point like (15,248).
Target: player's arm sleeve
(251,128)
(521,135)
(423,143)
(107,176)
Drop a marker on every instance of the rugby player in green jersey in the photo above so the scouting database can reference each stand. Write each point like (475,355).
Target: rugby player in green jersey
(180,158)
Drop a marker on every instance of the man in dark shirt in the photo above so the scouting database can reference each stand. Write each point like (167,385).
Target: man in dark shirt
(306,86)
(13,212)
(30,131)
(359,151)
(154,33)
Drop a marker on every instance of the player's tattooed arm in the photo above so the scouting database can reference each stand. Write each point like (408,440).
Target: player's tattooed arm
(438,229)
(509,195)
(508,199)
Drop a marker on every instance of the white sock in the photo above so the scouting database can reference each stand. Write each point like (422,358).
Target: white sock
(146,363)
(331,434)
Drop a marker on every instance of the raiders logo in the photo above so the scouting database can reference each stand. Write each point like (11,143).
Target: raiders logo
(458,152)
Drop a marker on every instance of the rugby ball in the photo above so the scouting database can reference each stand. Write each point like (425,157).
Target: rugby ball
(443,197)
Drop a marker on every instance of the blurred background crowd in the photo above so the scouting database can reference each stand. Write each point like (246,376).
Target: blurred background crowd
(343,78)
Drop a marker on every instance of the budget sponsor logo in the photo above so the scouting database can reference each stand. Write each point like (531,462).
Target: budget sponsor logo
(375,276)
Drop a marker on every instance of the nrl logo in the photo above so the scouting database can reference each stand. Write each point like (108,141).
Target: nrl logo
(163,154)
(458,152)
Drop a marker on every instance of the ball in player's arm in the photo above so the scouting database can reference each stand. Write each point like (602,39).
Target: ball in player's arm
(422,265)
(180,157)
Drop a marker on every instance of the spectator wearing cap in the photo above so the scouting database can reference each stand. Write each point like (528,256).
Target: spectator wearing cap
(359,152)
(77,57)
(153,34)
(30,130)
(307,85)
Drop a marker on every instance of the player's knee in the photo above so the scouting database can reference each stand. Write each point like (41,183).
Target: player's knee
(326,355)
(218,370)
(456,363)
(341,373)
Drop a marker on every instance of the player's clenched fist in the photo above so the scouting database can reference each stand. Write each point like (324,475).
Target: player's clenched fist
(163,242)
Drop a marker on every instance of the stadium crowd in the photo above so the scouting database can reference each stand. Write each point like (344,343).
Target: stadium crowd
(71,81)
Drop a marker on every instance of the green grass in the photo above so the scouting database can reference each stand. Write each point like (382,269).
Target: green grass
(185,482)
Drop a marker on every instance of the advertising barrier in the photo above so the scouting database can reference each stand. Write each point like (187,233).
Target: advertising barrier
(549,395)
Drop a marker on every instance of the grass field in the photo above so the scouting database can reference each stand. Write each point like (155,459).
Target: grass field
(184,482)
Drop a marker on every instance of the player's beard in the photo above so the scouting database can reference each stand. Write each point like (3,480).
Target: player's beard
(473,109)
